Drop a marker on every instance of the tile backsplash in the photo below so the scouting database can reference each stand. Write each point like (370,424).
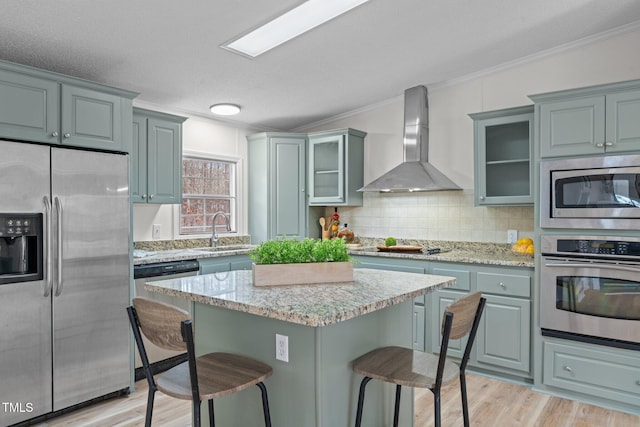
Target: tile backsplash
(438,215)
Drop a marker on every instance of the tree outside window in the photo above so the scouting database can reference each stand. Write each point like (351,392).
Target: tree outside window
(208,186)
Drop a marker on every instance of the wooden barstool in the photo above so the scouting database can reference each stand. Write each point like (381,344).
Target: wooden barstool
(403,366)
(199,378)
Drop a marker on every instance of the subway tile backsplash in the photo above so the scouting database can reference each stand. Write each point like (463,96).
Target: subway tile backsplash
(438,215)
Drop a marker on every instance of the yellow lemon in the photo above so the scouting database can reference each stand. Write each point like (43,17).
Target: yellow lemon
(530,250)
(525,241)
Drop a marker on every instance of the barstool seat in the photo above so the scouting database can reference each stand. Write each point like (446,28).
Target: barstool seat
(199,378)
(407,367)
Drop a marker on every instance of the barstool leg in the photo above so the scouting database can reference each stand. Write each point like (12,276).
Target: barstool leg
(265,404)
(147,420)
(212,415)
(436,407)
(463,392)
(363,384)
(196,413)
(396,409)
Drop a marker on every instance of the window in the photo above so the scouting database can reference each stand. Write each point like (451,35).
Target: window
(209,185)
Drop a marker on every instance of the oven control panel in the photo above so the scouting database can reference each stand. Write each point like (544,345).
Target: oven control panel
(591,246)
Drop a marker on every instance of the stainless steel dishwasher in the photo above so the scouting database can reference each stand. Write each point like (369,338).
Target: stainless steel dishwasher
(161,359)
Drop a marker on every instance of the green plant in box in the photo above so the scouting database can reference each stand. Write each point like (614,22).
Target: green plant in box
(291,251)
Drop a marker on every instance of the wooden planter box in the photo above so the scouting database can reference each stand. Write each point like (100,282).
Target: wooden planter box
(302,274)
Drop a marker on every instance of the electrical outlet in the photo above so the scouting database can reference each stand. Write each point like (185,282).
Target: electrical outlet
(512,236)
(282,348)
(155,231)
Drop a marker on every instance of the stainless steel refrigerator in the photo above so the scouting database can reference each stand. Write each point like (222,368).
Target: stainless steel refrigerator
(64,339)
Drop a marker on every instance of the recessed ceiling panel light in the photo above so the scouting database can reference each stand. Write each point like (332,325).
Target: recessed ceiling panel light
(225,109)
(297,21)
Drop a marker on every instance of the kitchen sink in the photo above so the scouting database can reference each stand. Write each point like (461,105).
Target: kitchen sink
(229,248)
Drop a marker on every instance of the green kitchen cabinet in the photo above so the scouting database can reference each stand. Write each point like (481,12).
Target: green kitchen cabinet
(605,376)
(410,266)
(39,106)
(503,153)
(224,263)
(503,342)
(277,197)
(336,167)
(593,120)
(156,157)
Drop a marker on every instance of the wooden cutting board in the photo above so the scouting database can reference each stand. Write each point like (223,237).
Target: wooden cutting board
(399,248)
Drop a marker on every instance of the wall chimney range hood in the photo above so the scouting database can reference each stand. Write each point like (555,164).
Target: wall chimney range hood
(415,173)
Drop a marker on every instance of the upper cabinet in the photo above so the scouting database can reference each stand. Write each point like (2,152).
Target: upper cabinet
(39,106)
(503,143)
(336,167)
(156,157)
(277,196)
(594,120)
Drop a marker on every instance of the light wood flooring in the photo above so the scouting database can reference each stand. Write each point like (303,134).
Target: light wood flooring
(491,403)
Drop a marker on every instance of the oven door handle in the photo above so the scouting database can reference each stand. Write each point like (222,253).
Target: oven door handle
(601,266)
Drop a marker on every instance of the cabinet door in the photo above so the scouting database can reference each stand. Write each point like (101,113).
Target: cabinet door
(503,335)
(504,153)
(164,160)
(623,126)
(326,170)
(573,127)
(287,202)
(440,300)
(91,119)
(138,158)
(29,108)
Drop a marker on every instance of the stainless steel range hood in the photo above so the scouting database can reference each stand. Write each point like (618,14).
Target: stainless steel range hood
(415,173)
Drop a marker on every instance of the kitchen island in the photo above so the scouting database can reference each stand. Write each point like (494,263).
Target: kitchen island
(327,327)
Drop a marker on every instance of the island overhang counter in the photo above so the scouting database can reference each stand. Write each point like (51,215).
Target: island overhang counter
(327,325)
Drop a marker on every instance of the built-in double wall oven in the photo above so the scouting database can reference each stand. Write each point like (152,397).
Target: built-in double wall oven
(590,255)
(590,289)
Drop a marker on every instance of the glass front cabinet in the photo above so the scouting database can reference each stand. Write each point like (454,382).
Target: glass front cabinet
(336,167)
(503,156)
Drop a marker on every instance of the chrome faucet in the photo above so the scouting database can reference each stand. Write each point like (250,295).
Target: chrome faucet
(214,236)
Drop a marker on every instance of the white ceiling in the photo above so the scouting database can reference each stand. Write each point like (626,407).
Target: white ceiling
(168,50)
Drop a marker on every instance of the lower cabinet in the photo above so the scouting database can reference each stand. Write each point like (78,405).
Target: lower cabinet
(409,266)
(585,371)
(226,263)
(503,342)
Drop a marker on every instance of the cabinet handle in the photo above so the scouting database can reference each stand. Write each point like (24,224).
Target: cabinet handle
(302,190)
(144,196)
(482,197)
(567,368)
(599,145)
(67,135)
(608,144)
(150,196)
(54,134)
(503,286)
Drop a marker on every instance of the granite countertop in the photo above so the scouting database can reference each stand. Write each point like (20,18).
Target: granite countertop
(466,256)
(310,305)
(461,252)
(142,256)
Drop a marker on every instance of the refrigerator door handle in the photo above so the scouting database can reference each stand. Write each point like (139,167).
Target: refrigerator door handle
(48,278)
(58,207)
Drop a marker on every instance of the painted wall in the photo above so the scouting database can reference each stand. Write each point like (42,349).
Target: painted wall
(440,215)
(451,215)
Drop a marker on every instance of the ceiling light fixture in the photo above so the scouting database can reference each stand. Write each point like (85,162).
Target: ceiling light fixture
(225,109)
(297,21)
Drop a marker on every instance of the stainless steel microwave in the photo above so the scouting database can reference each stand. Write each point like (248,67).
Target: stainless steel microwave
(600,192)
